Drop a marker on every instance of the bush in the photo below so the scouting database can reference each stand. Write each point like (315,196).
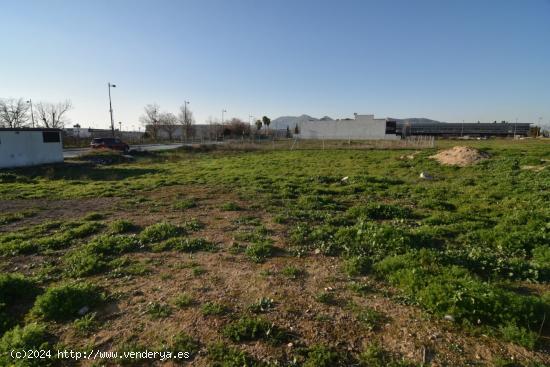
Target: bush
(187,244)
(523,337)
(380,211)
(83,262)
(214,309)
(248,329)
(121,226)
(113,244)
(63,302)
(183,300)
(16,295)
(357,265)
(184,204)
(158,310)
(184,343)
(160,232)
(230,207)
(322,356)
(31,337)
(224,356)
(260,251)
(293,272)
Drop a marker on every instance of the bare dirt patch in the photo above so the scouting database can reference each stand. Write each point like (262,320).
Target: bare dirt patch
(460,156)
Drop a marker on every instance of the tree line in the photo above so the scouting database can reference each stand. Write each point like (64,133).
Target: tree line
(162,124)
(17,113)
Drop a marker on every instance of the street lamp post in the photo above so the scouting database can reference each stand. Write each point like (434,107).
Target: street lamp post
(109,85)
(32,113)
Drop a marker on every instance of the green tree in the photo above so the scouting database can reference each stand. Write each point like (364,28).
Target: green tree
(266,121)
(259,124)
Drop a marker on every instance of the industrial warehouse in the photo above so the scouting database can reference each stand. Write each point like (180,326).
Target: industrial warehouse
(445,129)
(366,127)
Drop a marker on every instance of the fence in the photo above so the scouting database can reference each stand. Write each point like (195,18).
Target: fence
(413,142)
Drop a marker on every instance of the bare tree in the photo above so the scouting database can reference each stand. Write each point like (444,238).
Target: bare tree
(187,121)
(168,123)
(215,129)
(151,120)
(13,112)
(53,115)
(236,127)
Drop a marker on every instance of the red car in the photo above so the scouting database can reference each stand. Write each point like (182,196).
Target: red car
(109,143)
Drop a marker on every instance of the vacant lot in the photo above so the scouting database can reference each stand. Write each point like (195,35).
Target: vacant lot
(288,258)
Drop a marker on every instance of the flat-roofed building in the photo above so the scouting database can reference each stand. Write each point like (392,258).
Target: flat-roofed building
(362,127)
(29,147)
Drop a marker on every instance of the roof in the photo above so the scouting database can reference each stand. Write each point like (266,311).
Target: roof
(28,129)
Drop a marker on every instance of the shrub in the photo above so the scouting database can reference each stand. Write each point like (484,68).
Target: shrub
(30,337)
(158,310)
(121,226)
(381,211)
(214,309)
(521,336)
(248,329)
(260,251)
(183,342)
(16,294)
(83,262)
(230,207)
(94,216)
(63,302)
(375,356)
(160,232)
(86,324)
(323,356)
(357,265)
(292,272)
(113,244)
(327,298)
(184,204)
(224,356)
(183,300)
(188,244)
(264,304)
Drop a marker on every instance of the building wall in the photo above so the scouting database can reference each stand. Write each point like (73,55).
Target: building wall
(27,148)
(363,127)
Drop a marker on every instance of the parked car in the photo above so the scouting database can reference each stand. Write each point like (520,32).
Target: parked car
(109,143)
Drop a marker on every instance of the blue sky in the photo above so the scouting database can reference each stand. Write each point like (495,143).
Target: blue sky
(448,60)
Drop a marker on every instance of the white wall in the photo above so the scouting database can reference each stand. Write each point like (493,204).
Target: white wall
(364,127)
(27,148)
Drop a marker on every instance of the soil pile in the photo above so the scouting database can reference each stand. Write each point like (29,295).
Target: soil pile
(460,156)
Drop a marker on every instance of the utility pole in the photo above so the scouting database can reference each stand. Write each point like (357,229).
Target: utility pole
(223,111)
(515,127)
(32,113)
(120,128)
(109,85)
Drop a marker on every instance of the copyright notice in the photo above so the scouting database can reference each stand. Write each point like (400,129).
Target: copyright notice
(69,354)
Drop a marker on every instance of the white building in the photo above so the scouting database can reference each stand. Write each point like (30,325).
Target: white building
(363,127)
(29,147)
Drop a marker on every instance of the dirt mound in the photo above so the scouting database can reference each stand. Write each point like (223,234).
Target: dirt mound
(460,156)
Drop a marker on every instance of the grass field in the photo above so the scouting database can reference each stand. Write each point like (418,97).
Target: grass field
(269,258)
